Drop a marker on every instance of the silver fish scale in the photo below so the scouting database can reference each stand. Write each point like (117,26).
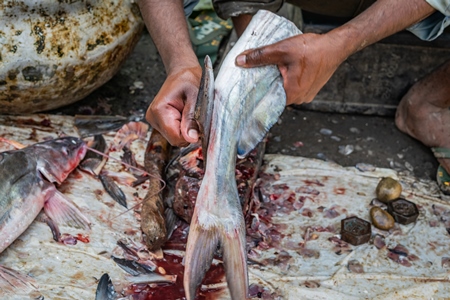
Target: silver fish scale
(240,91)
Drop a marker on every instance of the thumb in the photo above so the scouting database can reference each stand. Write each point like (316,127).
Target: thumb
(189,126)
(262,56)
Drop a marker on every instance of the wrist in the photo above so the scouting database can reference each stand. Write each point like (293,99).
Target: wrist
(348,40)
(182,61)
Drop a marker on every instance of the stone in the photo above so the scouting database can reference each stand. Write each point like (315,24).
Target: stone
(381,219)
(388,189)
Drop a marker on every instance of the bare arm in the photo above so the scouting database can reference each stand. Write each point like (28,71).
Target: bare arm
(171,111)
(166,23)
(382,19)
(307,61)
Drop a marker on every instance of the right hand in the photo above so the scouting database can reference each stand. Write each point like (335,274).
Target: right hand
(306,62)
(172,110)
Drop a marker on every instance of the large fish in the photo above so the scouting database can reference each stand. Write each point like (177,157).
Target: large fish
(27,178)
(247,102)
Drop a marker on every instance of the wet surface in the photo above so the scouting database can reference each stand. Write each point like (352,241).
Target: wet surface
(342,138)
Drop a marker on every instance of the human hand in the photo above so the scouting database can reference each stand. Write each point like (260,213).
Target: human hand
(306,62)
(172,110)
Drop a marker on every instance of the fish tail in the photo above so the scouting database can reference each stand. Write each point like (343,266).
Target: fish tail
(201,246)
(202,243)
(235,262)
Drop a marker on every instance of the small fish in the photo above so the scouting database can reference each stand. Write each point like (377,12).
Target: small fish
(27,178)
(113,190)
(132,267)
(247,102)
(105,289)
(91,125)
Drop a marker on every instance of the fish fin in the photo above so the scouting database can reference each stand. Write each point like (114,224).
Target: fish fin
(235,262)
(113,190)
(12,281)
(263,117)
(92,165)
(105,289)
(62,210)
(199,254)
(171,221)
(53,226)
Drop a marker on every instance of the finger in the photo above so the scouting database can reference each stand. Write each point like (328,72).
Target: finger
(189,126)
(167,122)
(267,55)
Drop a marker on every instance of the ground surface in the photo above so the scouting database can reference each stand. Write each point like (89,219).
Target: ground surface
(368,139)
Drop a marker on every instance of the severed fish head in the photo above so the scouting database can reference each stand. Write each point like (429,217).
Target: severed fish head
(205,104)
(57,158)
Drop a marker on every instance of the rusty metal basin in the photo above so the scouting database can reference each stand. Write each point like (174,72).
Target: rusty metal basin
(54,53)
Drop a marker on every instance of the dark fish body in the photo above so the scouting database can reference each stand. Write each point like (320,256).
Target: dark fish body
(247,102)
(27,178)
(105,289)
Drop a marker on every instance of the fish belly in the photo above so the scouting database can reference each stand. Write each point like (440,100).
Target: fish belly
(21,214)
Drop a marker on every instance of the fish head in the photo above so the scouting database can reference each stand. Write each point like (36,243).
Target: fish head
(57,158)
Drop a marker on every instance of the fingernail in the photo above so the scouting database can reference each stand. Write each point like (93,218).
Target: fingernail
(193,134)
(240,60)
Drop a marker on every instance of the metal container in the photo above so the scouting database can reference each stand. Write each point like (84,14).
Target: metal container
(355,231)
(54,53)
(403,211)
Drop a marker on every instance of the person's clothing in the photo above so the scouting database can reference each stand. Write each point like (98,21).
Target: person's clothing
(341,9)
(189,6)
(428,29)
(433,26)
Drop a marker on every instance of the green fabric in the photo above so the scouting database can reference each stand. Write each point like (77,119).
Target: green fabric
(443,180)
(440,152)
(203,4)
(206,33)
(442,177)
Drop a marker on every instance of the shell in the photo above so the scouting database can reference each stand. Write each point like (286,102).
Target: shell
(55,53)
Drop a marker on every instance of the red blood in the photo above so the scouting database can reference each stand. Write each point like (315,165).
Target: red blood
(274,197)
(76,174)
(313,182)
(339,191)
(83,238)
(46,123)
(173,266)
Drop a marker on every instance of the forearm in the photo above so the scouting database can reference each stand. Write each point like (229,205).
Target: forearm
(382,19)
(167,25)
